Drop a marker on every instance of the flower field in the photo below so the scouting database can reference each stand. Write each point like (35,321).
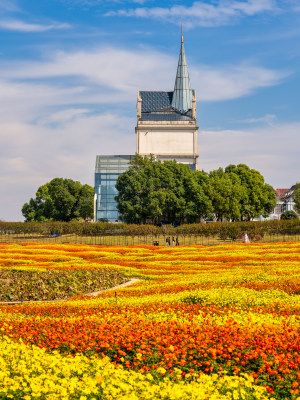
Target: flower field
(219,322)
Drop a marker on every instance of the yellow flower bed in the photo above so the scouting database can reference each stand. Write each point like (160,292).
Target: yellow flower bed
(29,373)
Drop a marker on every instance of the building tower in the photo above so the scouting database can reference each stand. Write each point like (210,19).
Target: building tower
(166,127)
(166,121)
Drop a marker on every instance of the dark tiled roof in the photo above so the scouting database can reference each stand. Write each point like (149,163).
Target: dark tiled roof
(157,106)
(155,101)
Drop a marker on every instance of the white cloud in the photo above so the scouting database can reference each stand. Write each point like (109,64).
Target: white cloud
(119,73)
(21,26)
(8,5)
(52,124)
(272,150)
(202,14)
(232,81)
(294,4)
(94,3)
(64,116)
(27,101)
(268,119)
(33,154)
(117,69)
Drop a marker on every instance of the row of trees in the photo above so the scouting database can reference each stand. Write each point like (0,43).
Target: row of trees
(152,191)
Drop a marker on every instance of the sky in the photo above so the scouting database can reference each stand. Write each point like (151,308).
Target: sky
(70,71)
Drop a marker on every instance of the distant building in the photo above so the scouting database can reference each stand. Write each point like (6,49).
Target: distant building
(166,127)
(285,202)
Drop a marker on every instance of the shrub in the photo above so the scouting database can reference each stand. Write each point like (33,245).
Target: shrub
(288,215)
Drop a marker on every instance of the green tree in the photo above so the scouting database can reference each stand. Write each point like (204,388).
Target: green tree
(258,198)
(296,197)
(60,200)
(227,195)
(199,205)
(152,191)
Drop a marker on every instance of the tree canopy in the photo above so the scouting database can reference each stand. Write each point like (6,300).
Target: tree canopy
(296,197)
(60,200)
(154,191)
(289,215)
(258,197)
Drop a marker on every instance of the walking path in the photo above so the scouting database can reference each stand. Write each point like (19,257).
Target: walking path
(128,283)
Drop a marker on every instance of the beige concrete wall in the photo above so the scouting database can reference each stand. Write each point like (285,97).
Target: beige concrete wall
(166,142)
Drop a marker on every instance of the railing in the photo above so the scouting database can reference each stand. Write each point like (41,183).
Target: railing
(271,235)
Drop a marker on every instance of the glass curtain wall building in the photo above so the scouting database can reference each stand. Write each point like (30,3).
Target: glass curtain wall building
(107,171)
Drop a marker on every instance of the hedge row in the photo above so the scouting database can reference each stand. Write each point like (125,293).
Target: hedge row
(224,230)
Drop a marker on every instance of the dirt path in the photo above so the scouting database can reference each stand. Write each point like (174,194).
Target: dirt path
(128,283)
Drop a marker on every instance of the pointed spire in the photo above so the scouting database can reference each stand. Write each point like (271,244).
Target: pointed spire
(183,94)
(181,33)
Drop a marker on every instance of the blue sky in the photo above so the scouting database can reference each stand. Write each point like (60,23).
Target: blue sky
(70,71)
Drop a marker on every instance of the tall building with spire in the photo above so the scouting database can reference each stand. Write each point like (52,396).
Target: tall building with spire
(166,127)
(166,121)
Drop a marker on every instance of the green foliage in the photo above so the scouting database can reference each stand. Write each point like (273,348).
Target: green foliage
(60,200)
(256,230)
(288,215)
(154,191)
(192,300)
(231,231)
(227,195)
(296,197)
(253,196)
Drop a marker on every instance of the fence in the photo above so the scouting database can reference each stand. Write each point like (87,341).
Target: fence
(271,235)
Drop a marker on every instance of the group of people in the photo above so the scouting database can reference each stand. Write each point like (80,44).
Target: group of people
(175,242)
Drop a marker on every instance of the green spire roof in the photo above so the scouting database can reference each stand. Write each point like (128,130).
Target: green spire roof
(183,94)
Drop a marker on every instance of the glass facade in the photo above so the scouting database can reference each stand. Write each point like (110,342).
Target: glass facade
(107,171)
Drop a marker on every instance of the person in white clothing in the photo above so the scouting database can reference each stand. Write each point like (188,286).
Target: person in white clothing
(246,238)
